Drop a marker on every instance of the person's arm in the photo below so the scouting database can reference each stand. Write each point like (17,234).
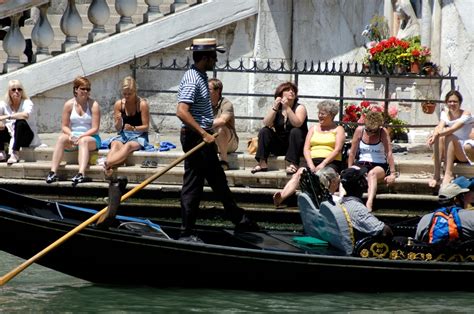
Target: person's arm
(389,155)
(66,118)
(434,137)
(271,113)
(307,150)
(182,112)
(354,146)
(466,118)
(340,139)
(225,116)
(118,121)
(145,115)
(298,117)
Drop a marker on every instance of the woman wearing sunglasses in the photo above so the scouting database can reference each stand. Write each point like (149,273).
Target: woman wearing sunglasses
(17,122)
(372,143)
(80,127)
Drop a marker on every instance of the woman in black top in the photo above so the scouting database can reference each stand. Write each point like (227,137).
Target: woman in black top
(131,118)
(286,126)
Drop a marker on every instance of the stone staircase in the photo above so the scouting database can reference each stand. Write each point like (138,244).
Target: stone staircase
(411,186)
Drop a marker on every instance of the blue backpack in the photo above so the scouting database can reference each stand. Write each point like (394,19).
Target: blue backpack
(445,225)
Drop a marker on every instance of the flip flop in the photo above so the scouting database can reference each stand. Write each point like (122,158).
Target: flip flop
(291,169)
(257,168)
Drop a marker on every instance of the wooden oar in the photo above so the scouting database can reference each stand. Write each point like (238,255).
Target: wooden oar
(7,277)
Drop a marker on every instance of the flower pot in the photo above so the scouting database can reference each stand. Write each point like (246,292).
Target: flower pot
(415,67)
(428,107)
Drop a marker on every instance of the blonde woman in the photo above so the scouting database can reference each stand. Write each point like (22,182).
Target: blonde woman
(17,122)
(80,125)
(131,119)
(372,142)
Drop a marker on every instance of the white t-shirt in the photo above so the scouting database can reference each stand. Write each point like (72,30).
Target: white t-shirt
(25,106)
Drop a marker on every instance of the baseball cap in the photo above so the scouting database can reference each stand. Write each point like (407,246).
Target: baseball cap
(463,182)
(352,175)
(450,190)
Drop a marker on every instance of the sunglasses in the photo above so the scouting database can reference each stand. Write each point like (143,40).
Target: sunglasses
(372,130)
(16,89)
(87,89)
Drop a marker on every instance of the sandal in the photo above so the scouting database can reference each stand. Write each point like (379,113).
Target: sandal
(149,164)
(291,169)
(257,168)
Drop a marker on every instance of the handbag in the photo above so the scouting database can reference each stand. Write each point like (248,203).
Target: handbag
(252,145)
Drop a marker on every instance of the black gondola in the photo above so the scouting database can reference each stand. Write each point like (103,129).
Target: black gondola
(133,251)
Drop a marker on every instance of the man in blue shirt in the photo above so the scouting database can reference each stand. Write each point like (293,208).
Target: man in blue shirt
(195,111)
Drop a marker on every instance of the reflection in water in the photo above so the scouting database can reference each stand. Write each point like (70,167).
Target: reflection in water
(42,290)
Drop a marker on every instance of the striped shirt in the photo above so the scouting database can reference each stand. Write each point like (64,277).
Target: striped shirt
(362,221)
(194,91)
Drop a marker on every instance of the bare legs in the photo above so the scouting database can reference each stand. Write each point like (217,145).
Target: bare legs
(62,143)
(118,154)
(373,177)
(85,145)
(289,189)
(454,152)
(437,162)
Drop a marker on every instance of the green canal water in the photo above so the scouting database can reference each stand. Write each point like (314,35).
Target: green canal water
(40,290)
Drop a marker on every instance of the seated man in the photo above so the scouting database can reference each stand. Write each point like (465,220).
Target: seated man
(450,196)
(354,182)
(224,122)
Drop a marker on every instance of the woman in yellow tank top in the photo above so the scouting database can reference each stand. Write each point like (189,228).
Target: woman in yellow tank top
(322,148)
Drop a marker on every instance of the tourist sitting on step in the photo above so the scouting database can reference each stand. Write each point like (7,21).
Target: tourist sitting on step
(284,131)
(450,196)
(131,120)
(224,122)
(451,136)
(322,148)
(80,126)
(371,148)
(17,122)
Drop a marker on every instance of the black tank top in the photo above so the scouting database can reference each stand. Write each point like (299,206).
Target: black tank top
(136,119)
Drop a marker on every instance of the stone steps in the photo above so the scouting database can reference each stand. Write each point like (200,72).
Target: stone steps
(35,164)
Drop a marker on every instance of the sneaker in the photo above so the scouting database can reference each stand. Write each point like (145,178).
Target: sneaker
(79,178)
(191,238)
(3,157)
(246,225)
(52,177)
(14,158)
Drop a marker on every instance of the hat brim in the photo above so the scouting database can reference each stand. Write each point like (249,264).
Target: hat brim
(220,49)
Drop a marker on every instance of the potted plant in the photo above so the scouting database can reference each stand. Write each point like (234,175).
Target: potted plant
(428,106)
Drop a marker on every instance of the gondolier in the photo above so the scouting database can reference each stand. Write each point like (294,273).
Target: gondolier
(195,111)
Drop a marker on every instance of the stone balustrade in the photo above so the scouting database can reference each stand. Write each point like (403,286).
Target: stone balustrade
(72,24)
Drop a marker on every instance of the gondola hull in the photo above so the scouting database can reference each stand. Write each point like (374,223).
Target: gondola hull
(260,260)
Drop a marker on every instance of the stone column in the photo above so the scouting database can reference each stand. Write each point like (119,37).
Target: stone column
(71,26)
(153,11)
(42,34)
(125,8)
(426,23)
(98,14)
(14,45)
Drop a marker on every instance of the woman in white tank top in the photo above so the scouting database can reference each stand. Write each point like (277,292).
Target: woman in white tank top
(455,127)
(372,141)
(80,127)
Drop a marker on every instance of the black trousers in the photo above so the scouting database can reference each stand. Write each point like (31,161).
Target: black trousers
(203,165)
(23,136)
(269,142)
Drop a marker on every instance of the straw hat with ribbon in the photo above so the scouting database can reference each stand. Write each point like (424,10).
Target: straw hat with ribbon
(205,44)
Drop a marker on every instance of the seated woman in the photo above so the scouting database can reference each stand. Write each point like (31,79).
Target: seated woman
(80,125)
(284,131)
(322,148)
(17,122)
(372,143)
(131,118)
(455,126)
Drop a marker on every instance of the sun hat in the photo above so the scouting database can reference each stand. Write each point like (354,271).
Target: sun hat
(463,182)
(450,191)
(205,44)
